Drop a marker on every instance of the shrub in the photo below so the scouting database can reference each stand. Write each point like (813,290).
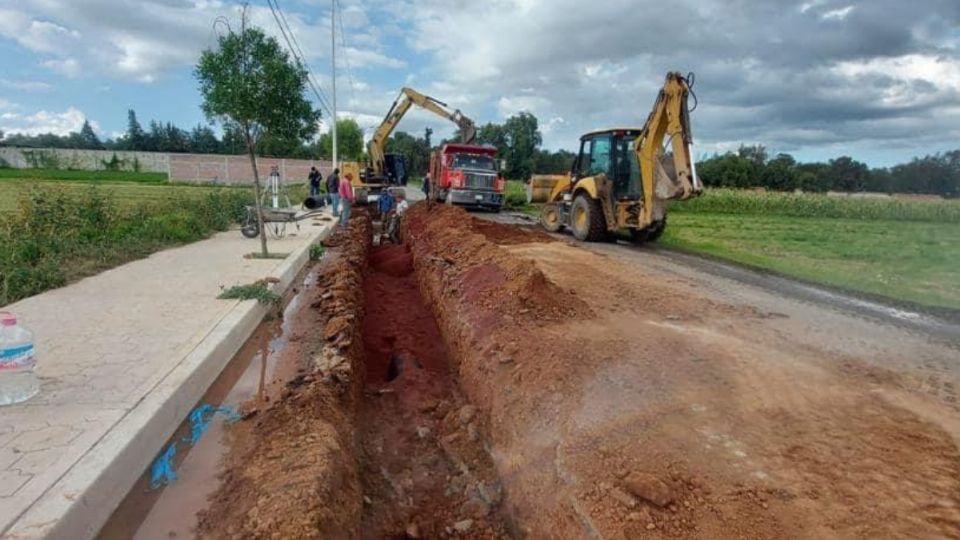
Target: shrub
(54,236)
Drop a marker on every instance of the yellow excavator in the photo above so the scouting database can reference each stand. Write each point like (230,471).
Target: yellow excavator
(621,180)
(384,169)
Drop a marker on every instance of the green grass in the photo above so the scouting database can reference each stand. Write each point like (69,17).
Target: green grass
(741,202)
(913,261)
(255,291)
(87,176)
(515,198)
(57,232)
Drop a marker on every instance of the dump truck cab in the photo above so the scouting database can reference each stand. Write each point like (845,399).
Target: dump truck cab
(466,174)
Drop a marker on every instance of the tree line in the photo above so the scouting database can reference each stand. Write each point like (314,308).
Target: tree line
(518,141)
(751,167)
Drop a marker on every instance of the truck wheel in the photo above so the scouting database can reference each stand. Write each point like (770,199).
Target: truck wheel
(250,229)
(550,218)
(586,219)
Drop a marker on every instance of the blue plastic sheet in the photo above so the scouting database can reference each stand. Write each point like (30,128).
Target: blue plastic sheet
(200,420)
(162,473)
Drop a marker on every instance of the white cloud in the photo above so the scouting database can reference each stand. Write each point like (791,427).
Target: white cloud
(25,86)
(68,67)
(44,122)
(837,14)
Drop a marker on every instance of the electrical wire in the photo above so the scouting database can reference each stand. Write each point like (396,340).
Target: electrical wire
(346,57)
(297,53)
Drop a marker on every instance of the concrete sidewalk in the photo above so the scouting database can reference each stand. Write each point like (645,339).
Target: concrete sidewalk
(123,356)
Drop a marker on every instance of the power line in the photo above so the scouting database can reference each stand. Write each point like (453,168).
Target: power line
(297,52)
(346,57)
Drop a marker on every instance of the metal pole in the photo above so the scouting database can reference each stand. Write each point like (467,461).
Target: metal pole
(333,62)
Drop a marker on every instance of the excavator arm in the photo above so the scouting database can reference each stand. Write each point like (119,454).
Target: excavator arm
(407,98)
(669,118)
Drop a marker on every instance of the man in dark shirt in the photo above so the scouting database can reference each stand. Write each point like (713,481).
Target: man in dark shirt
(333,191)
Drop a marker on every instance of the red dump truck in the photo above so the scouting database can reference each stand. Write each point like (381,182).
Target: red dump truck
(466,174)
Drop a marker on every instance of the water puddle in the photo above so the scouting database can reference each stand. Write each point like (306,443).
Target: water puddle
(170,511)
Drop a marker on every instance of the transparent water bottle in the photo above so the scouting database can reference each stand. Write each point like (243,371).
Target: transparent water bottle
(17,379)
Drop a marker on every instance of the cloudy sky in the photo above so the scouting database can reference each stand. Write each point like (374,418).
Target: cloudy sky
(876,79)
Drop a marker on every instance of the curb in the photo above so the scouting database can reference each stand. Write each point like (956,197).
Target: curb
(79,504)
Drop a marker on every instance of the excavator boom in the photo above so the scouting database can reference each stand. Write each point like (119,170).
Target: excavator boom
(407,98)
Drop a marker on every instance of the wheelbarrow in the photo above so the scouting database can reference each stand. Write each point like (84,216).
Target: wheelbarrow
(275,220)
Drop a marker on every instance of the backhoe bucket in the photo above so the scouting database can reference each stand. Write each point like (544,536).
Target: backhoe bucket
(541,186)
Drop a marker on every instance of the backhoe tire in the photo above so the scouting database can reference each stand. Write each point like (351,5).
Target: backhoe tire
(650,234)
(586,219)
(550,218)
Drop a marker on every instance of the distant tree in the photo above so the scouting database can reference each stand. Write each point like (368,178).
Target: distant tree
(523,138)
(427,132)
(780,173)
(349,141)
(203,140)
(415,149)
(756,155)
(134,139)
(495,135)
(88,138)
(813,177)
(728,170)
(249,82)
(233,141)
(546,162)
(848,174)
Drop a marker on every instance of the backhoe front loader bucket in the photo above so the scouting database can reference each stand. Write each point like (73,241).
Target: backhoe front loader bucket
(541,186)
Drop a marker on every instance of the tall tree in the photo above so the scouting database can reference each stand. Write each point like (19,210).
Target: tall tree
(250,82)
(349,141)
(523,138)
(203,140)
(88,138)
(134,138)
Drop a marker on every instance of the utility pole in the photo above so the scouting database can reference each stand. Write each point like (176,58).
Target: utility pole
(333,63)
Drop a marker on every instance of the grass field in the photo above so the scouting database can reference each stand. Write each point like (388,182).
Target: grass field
(916,261)
(56,230)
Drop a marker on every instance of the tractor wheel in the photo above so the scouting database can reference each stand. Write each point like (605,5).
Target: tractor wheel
(550,218)
(250,227)
(586,219)
(650,234)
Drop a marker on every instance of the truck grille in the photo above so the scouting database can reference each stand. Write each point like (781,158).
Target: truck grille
(480,181)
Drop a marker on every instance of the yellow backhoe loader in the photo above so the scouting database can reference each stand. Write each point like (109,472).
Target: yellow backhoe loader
(387,169)
(619,181)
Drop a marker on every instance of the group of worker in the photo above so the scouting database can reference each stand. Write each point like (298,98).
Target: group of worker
(340,196)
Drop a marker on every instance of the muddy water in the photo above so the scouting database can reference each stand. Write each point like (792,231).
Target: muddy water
(170,511)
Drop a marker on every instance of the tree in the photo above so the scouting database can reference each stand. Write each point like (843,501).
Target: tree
(203,141)
(780,173)
(88,138)
(134,138)
(250,83)
(848,174)
(349,141)
(415,149)
(522,138)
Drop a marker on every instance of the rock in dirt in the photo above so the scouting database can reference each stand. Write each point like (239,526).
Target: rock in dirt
(463,526)
(423,432)
(413,531)
(466,414)
(475,507)
(335,327)
(649,488)
(623,497)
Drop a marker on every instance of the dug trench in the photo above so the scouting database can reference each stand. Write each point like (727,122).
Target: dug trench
(490,381)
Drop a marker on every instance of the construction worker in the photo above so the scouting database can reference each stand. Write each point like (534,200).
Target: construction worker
(315,179)
(393,227)
(426,187)
(346,198)
(333,191)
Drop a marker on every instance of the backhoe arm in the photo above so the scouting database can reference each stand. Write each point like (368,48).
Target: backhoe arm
(669,118)
(408,97)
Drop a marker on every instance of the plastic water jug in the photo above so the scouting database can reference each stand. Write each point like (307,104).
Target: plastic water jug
(17,379)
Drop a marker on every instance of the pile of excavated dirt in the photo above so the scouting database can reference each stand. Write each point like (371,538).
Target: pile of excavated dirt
(293,471)
(506,235)
(470,264)
(646,409)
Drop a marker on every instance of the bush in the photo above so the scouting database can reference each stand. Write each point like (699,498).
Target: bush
(55,237)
